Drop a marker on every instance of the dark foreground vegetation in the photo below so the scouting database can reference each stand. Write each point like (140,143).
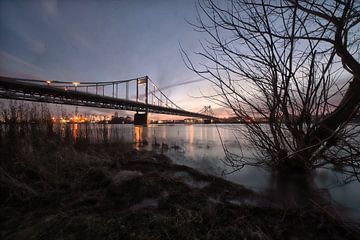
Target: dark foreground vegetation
(55,187)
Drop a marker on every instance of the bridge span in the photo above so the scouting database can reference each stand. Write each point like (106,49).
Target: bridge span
(109,95)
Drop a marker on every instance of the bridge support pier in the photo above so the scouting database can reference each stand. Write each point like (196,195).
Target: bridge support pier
(208,121)
(141,119)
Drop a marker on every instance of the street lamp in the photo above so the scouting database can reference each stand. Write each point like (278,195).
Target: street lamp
(76,84)
(141,81)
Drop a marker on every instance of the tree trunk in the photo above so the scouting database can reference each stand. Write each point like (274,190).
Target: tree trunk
(346,110)
(350,103)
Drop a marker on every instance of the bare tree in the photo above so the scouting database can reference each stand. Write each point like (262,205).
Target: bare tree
(292,63)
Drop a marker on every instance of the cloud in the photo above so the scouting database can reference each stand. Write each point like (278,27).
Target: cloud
(38,47)
(50,6)
(6,58)
(82,41)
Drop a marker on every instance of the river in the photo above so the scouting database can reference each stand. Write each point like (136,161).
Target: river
(200,146)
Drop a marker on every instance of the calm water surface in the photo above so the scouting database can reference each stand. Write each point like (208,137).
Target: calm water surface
(199,146)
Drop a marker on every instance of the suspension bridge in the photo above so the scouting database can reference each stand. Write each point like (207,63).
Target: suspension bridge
(140,95)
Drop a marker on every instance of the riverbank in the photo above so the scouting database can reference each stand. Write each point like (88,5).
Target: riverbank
(53,187)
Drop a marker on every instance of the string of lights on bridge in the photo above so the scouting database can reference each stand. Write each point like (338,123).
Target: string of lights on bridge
(149,98)
(157,96)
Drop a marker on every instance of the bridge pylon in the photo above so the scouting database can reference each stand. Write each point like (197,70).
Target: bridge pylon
(207,110)
(141,118)
(108,95)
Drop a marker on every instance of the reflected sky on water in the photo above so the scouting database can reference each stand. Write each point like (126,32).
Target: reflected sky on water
(199,146)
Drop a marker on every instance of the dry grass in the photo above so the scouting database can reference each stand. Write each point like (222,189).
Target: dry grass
(55,188)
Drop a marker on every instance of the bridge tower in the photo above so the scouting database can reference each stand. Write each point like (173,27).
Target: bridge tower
(207,110)
(141,118)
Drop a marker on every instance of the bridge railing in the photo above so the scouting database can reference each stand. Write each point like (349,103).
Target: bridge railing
(120,89)
(96,94)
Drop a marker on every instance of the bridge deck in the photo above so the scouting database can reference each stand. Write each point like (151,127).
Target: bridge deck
(19,89)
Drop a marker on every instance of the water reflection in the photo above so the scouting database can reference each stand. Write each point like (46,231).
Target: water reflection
(74,131)
(199,146)
(138,130)
(190,132)
(293,190)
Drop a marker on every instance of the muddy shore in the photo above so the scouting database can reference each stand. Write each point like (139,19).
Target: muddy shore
(143,195)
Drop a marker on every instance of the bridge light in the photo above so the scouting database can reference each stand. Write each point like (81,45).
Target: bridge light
(76,83)
(141,81)
(48,82)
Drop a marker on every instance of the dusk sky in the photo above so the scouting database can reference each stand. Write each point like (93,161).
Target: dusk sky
(84,40)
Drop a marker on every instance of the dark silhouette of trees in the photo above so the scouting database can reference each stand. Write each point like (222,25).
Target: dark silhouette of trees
(294,63)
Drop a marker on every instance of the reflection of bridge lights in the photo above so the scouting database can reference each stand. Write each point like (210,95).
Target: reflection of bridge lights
(138,136)
(75,131)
